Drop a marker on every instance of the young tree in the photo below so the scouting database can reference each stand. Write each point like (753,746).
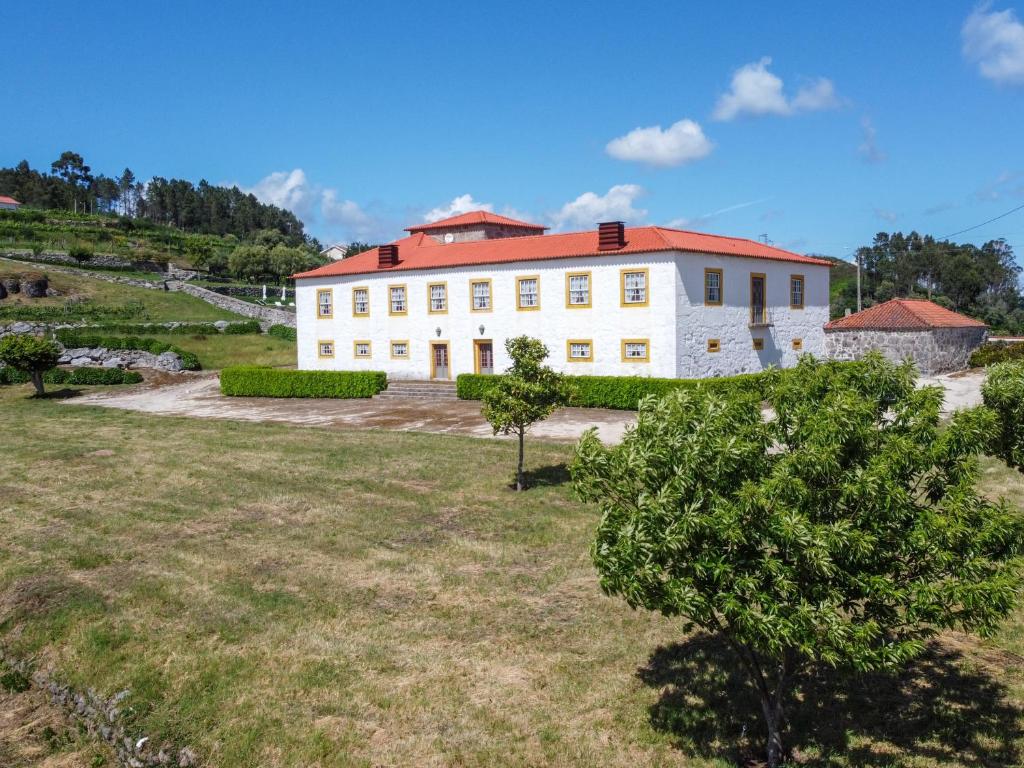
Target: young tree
(30,354)
(526,393)
(845,530)
(1003,392)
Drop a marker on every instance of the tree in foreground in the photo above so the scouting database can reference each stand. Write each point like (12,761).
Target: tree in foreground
(30,354)
(846,530)
(1003,392)
(526,393)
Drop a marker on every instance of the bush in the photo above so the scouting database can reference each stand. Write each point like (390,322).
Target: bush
(993,352)
(80,252)
(254,381)
(72,338)
(249,326)
(1003,392)
(287,333)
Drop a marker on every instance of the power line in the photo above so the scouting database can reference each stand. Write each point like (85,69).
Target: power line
(997,218)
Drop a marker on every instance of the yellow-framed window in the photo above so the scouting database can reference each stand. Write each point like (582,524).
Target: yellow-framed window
(577,290)
(399,349)
(636,350)
(527,293)
(361,301)
(798,344)
(579,350)
(635,287)
(325,349)
(758,344)
(713,287)
(714,345)
(398,300)
(362,348)
(758,299)
(325,303)
(796,291)
(437,298)
(481,295)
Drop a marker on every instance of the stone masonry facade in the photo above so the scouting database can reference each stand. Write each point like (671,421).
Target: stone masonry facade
(938,350)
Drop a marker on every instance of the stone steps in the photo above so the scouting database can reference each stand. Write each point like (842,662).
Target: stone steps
(418,390)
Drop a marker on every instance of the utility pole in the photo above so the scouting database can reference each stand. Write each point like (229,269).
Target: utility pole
(859,305)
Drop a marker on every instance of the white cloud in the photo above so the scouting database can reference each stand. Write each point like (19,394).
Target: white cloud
(699,221)
(868,148)
(886,215)
(589,208)
(460,204)
(756,91)
(1006,183)
(290,190)
(682,142)
(995,42)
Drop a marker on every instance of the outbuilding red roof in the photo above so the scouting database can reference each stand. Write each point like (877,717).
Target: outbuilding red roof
(903,315)
(474,217)
(419,251)
(8,200)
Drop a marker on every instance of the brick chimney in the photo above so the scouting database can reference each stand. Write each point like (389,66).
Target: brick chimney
(387,256)
(611,235)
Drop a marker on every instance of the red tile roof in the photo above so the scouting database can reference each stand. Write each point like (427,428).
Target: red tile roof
(9,200)
(474,217)
(903,315)
(418,251)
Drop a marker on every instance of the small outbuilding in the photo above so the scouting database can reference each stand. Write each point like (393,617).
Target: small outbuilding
(937,339)
(8,203)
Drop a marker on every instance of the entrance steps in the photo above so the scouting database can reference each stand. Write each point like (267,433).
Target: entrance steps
(418,390)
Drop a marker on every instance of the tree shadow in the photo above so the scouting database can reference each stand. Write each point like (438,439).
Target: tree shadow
(944,707)
(541,477)
(58,394)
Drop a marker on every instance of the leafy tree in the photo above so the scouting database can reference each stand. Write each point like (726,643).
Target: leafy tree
(846,530)
(1003,392)
(71,167)
(526,393)
(30,354)
(355,247)
(250,262)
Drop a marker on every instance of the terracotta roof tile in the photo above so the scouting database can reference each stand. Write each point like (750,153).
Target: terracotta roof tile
(474,217)
(9,200)
(418,251)
(903,315)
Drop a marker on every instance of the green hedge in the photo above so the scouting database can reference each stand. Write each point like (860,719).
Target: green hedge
(285,332)
(993,352)
(618,392)
(72,338)
(255,381)
(185,329)
(80,376)
(238,329)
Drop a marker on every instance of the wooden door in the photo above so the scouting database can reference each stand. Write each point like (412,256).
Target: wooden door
(439,360)
(484,357)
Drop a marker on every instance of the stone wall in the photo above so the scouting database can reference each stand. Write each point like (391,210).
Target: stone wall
(120,358)
(16,257)
(936,351)
(266,315)
(106,260)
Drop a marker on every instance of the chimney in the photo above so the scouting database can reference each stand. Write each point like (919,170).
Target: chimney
(611,235)
(387,256)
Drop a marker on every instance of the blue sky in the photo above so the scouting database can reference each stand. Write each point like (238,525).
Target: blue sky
(818,125)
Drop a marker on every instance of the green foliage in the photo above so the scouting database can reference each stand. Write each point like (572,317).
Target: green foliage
(243,328)
(80,252)
(993,352)
(73,310)
(77,376)
(1003,392)
(72,338)
(31,355)
(285,332)
(253,381)
(528,392)
(184,329)
(847,529)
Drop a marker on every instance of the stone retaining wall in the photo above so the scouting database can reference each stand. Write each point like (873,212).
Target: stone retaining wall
(939,350)
(97,260)
(110,278)
(266,315)
(120,358)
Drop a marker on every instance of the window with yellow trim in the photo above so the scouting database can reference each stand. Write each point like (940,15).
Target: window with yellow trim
(579,350)
(325,303)
(397,297)
(798,344)
(360,302)
(758,345)
(325,349)
(399,349)
(714,345)
(437,294)
(635,289)
(713,287)
(577,290)
(361,349)
(480,295)
(528,292)
(636,350)
(796,291)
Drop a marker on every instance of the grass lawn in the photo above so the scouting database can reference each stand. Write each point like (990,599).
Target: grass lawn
(221,350)
(277,596)
(158,306)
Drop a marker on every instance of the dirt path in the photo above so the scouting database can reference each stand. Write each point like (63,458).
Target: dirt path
(199,396)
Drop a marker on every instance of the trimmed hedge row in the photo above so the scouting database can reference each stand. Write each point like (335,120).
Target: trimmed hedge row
(80,376)
(994,352)
(255,381)
(285,332)
(72,338)
(186,329)
(618,392)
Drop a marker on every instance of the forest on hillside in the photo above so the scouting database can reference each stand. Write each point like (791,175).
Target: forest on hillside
(979,281)
(202,208)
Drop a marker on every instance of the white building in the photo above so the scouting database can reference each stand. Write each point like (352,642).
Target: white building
(614,301)
(8,203)
(334,252)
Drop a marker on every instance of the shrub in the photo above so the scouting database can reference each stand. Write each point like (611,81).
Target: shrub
(287,333)
(80,252)
(1003,392)
(255,381)
(992,352)
(31,355)
(249,326)
(71,337)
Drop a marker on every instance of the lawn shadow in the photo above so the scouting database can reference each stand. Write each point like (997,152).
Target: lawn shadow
(943,708)
(59,394)
(553,475)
